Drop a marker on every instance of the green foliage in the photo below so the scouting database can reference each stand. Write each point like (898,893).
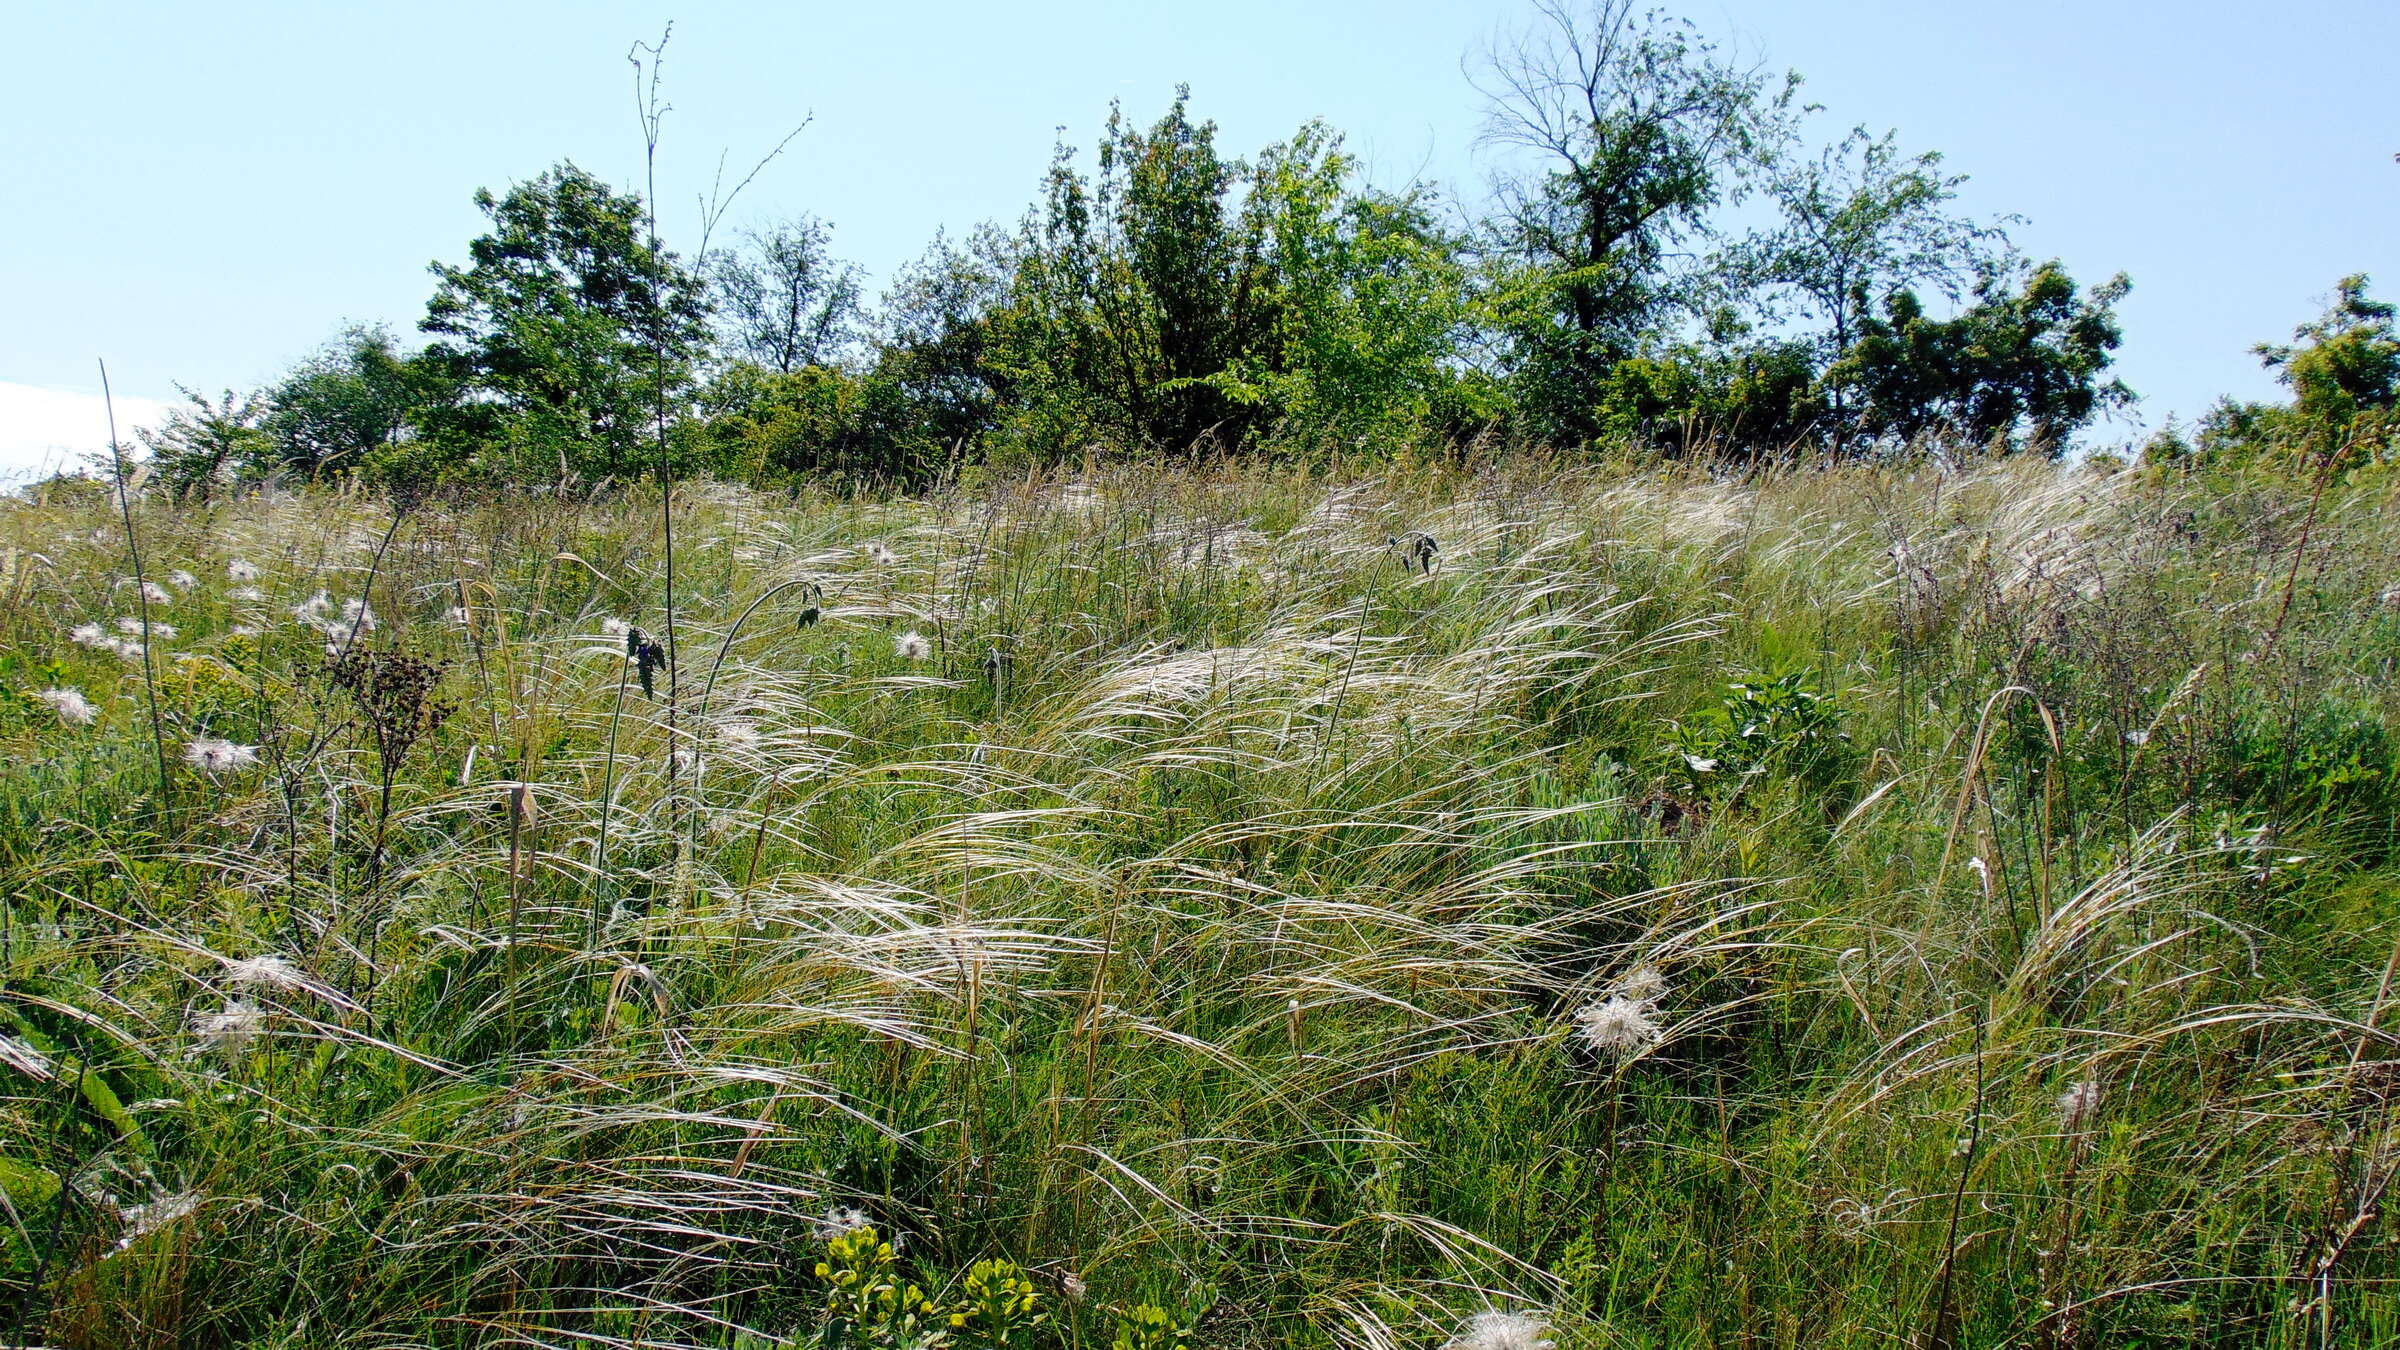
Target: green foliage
(1180,296)
(348,403)
(2019,368)
(997,1308)
(785,303)
(1764,725)
(1759,401)
(204,447)
(868,1303)
(1147,1326)
(556,343)
(2343,369)
(1633,123)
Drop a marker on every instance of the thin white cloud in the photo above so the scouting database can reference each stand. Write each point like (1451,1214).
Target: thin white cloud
(45,430)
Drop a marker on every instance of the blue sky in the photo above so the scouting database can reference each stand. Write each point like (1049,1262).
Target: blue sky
(201,193)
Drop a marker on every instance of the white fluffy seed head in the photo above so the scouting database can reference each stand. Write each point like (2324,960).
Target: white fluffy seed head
(912,646)
(1502,1331)
(1617,1027)
(71,706)
(238,570)
(214,757)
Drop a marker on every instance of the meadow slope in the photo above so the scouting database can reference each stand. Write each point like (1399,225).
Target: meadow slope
(1950,904)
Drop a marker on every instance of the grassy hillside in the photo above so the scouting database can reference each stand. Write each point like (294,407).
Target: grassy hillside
(1855,907)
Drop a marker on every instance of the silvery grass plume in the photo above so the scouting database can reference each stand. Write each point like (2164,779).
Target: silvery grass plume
(161,1211)
(71,706)
(214,757)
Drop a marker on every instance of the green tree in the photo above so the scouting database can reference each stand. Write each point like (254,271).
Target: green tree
(785,302)
(545,340)
(344,404)
(209,445)
(1179,297)
(1639,128)
(2019,368)
(2343,368)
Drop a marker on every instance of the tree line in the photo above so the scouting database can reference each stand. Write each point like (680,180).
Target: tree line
(1169,298)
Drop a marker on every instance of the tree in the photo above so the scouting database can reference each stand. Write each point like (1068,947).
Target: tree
(2344,368)
(1861,221)
(210,444)
(785,302)
(344,403)
(1180,298)
(545,341)
(1639,128)
(2018,368)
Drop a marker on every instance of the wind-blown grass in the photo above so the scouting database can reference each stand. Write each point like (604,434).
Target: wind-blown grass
(1225,911)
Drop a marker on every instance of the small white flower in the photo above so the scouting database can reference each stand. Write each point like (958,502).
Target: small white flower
(912,646)
(238,570)
(182,580)
(1618,1027)
(71,706)
(232,1030)
(1502,1331)
(214,757)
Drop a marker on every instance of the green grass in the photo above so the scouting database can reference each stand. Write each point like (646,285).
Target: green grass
(1205,920)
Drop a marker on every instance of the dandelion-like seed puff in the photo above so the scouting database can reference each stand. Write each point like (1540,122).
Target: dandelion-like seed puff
(912,646)
(1617,1027)
(71,706)
(238,570)
(215,757)
(1502,1331)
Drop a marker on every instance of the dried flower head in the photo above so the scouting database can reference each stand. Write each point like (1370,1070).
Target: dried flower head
(132,627)
(1644,984)
(266,972)
(1072,1288)
(238,570)
(182,580)
(1502,1331)
(214,757)
(71,706)
(912,646)
(879,554)
(230,1031)
(155,593)
(88,635)
(1617,1027)
(614,627)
